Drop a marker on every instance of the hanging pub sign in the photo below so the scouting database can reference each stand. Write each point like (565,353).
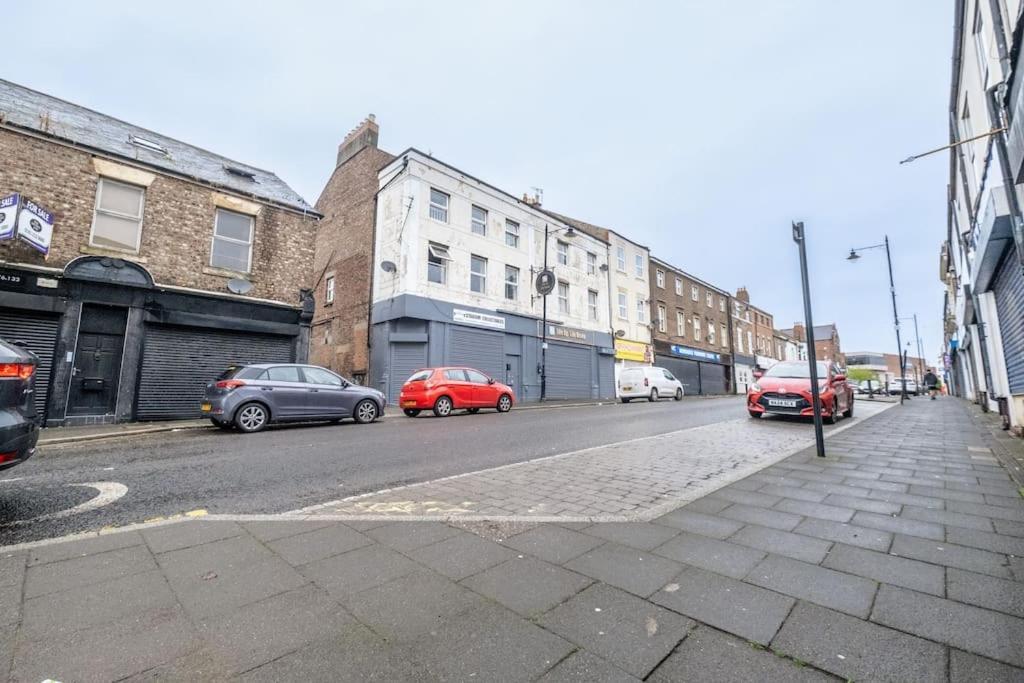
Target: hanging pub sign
(8,216)
(35,225)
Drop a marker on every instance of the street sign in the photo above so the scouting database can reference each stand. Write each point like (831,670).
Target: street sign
(545,282)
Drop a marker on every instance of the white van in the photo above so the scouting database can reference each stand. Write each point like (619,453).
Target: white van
(650,383)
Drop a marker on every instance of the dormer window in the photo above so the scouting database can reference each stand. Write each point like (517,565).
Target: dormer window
(148,145)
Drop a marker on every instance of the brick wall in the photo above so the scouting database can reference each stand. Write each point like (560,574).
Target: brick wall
(177,223)
(667,297)
(344,247)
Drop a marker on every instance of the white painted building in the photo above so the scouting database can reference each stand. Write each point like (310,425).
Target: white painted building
(981,260)
(453,284)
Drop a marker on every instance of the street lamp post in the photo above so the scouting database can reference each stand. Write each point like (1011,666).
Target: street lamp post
(895,315)
(812,356)
(544,284)
(919,367)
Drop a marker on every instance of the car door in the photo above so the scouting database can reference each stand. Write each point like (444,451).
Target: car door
(285,392)
(671,383)
(458,387)
(328,397)
(484,393)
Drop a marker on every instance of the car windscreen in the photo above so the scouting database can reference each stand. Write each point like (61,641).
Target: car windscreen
(420,376)
(796,370)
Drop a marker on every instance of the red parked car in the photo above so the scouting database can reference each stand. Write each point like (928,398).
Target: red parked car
(785,389)
(446,389)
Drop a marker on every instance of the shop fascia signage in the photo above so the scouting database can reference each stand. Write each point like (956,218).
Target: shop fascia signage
(460,315)
(26,220)
(569,333)
(632,350)
(687,352)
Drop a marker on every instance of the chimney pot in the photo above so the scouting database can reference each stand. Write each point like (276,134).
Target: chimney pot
(363,135)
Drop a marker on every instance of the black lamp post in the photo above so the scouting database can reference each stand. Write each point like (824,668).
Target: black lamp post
(545,283)
(812,356)
(895,316)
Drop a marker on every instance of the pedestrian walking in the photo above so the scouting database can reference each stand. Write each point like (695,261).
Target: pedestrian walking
(931,383)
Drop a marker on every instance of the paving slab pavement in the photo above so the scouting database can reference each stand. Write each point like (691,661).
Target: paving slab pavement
(741,584)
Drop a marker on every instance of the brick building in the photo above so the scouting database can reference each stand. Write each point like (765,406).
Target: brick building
(827,347)
(343,259)
(691,327)
(166,263)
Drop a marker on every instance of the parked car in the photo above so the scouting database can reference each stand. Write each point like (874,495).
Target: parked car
(19,430)
(785,389)
(250,397)
(871,386)
(443,390)
(896,387)
(648,382)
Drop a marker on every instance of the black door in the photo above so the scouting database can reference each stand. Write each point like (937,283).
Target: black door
(97,366)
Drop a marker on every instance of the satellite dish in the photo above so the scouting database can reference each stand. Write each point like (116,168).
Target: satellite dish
(545,282)
(239,285)
(620,333)
(388,266)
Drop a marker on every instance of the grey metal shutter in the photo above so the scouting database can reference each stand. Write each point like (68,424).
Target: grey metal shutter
(712,378)
(686,371)
(406,358)
(177,362)
(1009,295)
(606,376)
(568,371)
(38,333)
(479,349)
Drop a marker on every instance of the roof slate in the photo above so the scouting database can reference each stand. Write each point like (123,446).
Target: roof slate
(27,109)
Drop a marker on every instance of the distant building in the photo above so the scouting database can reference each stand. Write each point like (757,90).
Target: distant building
(827,347)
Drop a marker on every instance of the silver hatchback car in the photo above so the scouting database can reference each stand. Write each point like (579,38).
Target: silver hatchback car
(249,397)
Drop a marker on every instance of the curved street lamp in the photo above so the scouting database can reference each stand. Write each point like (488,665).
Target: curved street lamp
(895,315)
(570,232)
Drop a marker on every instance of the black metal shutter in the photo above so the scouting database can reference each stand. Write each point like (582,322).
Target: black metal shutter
(712,378)
(38,333)
(568,371)
(177,362)
(1009,294)
(406,358)
(479,349)
(686,371)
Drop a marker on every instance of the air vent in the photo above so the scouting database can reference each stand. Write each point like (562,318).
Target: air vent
(240,172)
(147,145)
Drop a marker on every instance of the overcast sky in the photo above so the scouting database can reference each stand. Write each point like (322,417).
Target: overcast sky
(698,128)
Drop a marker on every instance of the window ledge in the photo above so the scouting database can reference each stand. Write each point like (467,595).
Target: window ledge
(224,272)
(113,253)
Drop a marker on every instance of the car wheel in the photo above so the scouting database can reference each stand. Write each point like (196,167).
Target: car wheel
(472,411)
(679,395)
(443,407)
(754,414)
(849,411)
(625,400)
(366,412)
(654,396)
(252,417)
(411,412)
(504,403)
(833,414)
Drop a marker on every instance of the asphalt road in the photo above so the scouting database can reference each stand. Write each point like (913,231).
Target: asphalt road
(292,467)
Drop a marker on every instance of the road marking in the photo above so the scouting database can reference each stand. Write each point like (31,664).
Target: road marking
(107,493)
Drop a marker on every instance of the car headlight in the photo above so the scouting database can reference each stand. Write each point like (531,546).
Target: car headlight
(756,388)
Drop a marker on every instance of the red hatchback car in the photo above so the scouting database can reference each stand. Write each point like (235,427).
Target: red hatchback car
(785,389)
(446,389)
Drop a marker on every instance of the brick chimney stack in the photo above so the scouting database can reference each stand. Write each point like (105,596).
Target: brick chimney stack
(799,333)
(362,136)
(743,295)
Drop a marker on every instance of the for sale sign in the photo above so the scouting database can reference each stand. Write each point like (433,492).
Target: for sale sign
(35,225)
(8,216)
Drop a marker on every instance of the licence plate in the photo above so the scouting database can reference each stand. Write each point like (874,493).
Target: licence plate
(408,404)
(627,388)
(206,407)
(781,403)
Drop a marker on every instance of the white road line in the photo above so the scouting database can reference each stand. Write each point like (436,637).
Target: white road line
(108,492)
